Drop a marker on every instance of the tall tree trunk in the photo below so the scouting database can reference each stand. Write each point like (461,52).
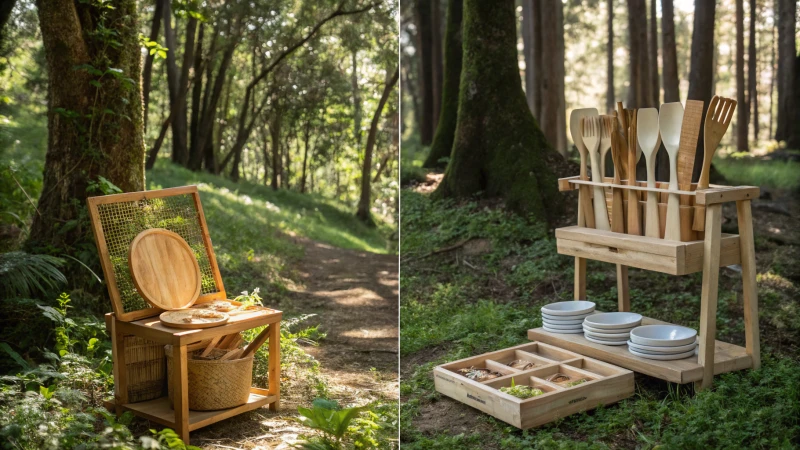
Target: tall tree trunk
(669,53)
(84,141)
(424,45)
(752,63)
(357,109)
(701,72)
(499,149)
(553,116)
(147,72)
(195,162)
(275,134)
(363,211)
(787,51)
(446,129)
(180,126)
(772,78)
(741,112)
(652,42)
(527,49)
(538,59)
(306,139)
(639,95)
(611,97)
(437,65)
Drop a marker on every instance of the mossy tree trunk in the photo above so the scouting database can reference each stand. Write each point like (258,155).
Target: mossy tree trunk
(94,117)
(446,129)
(499,149)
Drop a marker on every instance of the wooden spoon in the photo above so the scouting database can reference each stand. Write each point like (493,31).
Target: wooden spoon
(669,122)
(650,140)
(634,218)
(590,132)
(585,212)
(617,149)
(718,117)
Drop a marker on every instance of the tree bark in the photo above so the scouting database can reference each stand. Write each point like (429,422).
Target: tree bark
(701,72)
(147,72)
(437,65)
(669,53)
(527,50)
(275,135)
(80,148)
(752,63)
(652,41)
(741,112)
(424,46)
(787,12)
(639,91)
(446,129)
(363,211)
(195,162)
(306,143)
(611,97)
(180,126)
(499,149)
(552,118)
(357,109)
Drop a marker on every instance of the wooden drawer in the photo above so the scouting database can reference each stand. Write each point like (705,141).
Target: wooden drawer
(606,384)
(672,257)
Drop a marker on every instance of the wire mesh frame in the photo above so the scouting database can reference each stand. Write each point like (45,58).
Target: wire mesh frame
(118,219)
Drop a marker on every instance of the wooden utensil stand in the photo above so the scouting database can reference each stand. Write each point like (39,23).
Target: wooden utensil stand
(715,250)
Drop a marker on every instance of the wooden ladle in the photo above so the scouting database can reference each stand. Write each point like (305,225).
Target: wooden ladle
(669,122)
(650,140)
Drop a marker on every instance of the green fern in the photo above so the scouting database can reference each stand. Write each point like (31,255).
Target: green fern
(23,274)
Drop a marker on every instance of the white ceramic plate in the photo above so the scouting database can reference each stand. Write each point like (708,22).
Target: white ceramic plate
(563,322)
(562,327)
(663,335)
(572,317)
(605,331)
(662,357)
(614,320)
(578,331)
(569,308)
(609,337)
(604,342)
(662,350)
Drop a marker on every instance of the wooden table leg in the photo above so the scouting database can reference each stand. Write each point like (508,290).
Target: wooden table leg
(580,279)
(623,294)
(180,390)
(275,364)
(749,288)
(119,369)
(708,301)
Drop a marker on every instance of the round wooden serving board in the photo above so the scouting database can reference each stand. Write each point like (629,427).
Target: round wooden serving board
(175,319)
(164,269)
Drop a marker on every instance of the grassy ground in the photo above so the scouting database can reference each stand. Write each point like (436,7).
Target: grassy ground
(485,294)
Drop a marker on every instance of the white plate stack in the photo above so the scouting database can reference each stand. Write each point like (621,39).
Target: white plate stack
(663,342)
(610,328)
(566,317)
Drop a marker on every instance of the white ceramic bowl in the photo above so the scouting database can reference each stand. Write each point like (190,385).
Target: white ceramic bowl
(608,336)
(662,350)
(562,327)
(563,322)
(572,317)
(552,330)
(605,342)
(662,357)
(569,308)
(606,331)
(614,320)
(663,335)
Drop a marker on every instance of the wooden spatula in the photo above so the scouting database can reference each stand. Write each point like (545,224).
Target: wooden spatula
(669,123)
(634,218)
(650,141)
(718,117)
(617,150)
(690,131)
(585,212)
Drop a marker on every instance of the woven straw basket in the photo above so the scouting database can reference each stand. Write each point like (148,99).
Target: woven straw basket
(215,384)
(146,368)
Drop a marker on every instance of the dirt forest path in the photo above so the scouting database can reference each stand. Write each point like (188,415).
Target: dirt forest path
(354,297)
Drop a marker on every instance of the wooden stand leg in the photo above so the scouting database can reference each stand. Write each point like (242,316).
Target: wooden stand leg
(120,373)
(749,288)
(180,390)
(580,279)
(275,364)
(708,301)
(623,295)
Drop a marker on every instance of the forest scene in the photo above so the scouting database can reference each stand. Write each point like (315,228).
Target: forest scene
(488,89)
(285,115)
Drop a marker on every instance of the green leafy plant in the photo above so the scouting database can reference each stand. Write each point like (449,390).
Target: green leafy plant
(169,438)
(521,391)
(24,274)
(328,417)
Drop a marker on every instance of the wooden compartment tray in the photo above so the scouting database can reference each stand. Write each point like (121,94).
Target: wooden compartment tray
(727,357)
(607,384)
(660,255)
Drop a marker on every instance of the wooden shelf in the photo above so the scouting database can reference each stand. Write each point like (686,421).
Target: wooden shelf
(727,357)
(160,411)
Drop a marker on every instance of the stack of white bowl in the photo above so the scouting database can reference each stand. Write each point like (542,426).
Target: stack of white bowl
(663,342)
(612,328)
(566,317)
